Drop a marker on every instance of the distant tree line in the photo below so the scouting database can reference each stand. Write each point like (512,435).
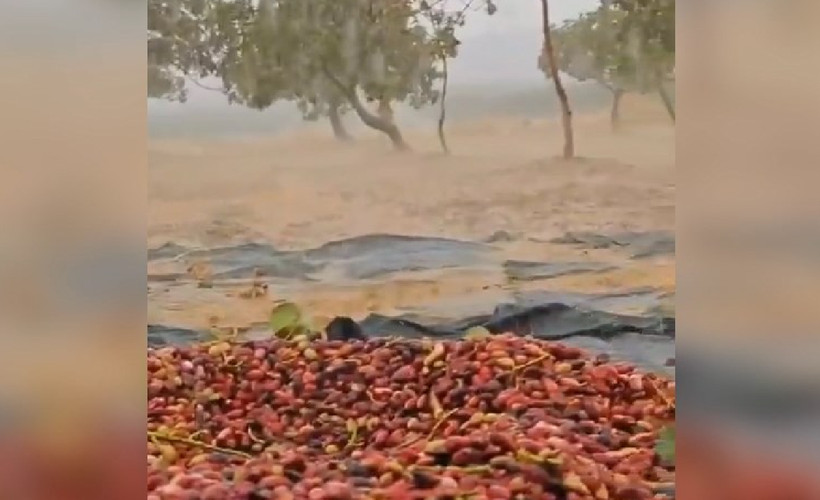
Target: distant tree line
(335,57)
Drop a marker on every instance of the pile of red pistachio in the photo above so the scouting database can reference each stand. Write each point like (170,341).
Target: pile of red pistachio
(502,417)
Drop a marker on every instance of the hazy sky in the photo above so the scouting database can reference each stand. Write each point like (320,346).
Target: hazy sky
(504,48)
(501,49)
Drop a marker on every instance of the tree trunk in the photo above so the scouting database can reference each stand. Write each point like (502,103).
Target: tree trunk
(443,108)
(385,112)
(377,122)
(566,113)
(667,101)
(339,130)
(615,112)
(388,128)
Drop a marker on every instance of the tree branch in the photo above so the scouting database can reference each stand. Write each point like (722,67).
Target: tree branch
(347,91)
(203,86)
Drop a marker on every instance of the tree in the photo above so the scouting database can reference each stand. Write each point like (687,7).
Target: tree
(189,40)
(566,113)
(322,53)
(617,47)
(443,22)
(587,48)
(175,30)
(253,72)
(334,114)
(648,29)
(327,56)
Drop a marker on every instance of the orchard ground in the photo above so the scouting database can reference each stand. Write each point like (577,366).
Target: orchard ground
(302,188)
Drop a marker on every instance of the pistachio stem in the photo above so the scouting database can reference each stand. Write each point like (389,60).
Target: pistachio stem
(439,423)
(158,436)
(532,362)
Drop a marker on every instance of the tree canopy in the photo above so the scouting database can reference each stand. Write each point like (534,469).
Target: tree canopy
(625,45)
(648,29)
(324,55)
(332,56)
(615,45)
(189,39)
(587,49)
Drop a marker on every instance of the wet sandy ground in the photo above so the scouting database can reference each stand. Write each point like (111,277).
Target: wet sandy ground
(302,190)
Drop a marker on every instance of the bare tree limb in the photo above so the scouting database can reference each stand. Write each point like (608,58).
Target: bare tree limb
(202,85)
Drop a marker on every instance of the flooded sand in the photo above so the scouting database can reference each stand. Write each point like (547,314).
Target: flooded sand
(414,231)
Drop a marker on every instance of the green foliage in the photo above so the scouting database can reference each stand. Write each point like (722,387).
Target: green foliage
(587,49)
(665,447)
(316,53)
(648,29)
(443,22)
(187,38)
(443,19)
(287,321)
(164,48)
(251,70)
(624,45)
(477,333)
(284,319)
